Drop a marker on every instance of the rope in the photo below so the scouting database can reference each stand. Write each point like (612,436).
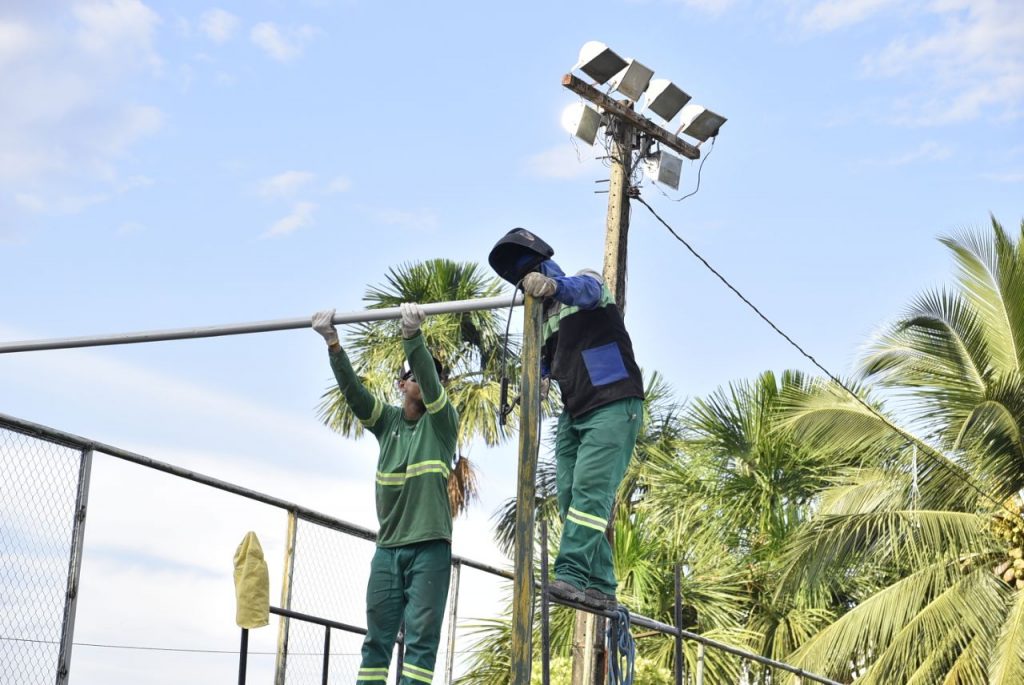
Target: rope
(622,652)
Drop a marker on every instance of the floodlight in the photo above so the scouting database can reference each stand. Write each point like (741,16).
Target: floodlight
(665,98)
(700,122)
(664,168)
(599,62)
(632,81)
(581,121)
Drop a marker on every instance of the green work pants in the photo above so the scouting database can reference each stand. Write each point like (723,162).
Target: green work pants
(591,456)
(409,582)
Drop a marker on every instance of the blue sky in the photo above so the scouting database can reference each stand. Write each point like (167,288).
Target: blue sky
(176,164)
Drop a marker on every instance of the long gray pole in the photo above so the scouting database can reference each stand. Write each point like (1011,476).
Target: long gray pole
(453,307)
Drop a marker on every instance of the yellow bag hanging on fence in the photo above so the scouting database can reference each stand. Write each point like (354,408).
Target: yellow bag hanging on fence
(252,584)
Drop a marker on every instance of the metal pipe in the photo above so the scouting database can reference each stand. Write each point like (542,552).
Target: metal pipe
(326,622)
(700,664)
(243,658)
(67,633)
(453,618)
(545,629)
(361,316)
(327,655)
(679,625)
(283,626)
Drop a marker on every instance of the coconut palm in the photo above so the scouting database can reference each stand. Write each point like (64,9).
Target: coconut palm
(468,345)
(730,501)
(937,519)
(643,562)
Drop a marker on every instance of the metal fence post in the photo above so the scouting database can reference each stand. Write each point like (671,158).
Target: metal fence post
(545,628)
(700,663)
(679,625)
(281,665)
(453,603)
(327,654)
(243,656)
(74,569)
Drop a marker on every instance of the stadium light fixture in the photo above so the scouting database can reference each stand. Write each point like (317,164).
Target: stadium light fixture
(665,98)
(632,81)
(665,168)
(700,122)
(581,121)
(599,62)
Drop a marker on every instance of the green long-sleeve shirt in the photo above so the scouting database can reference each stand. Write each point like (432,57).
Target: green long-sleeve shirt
(415,456)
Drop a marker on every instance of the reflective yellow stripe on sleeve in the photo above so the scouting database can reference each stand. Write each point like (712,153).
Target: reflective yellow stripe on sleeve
(378,407)
(438,404)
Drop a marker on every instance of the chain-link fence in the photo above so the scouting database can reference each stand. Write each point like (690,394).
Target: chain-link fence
(39,486)
(322,570)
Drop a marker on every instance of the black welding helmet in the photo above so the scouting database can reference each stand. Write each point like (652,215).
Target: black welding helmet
(518,253)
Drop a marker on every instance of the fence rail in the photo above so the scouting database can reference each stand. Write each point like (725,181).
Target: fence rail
(78,453)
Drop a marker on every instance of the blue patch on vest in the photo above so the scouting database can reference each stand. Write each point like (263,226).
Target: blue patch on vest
(604,364)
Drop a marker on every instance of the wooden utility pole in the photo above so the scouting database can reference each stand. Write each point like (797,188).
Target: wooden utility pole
(526,491)
(624,127)
(617,224)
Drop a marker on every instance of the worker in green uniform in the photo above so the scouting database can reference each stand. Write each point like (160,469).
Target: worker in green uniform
(411,568)
(587,350)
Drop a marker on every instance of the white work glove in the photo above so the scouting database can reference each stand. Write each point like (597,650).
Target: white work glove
(412,316)
(323,324)
(539,285)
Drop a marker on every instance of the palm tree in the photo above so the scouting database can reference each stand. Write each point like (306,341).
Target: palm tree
(938,519)
(643,562)
(730,501)
(468,345)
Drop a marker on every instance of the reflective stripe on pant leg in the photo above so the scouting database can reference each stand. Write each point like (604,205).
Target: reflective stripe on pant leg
(384,605)
(427,578)
(607,438)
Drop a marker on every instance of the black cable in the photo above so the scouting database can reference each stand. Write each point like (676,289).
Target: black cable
(926,449)
(168,649)
(700,166)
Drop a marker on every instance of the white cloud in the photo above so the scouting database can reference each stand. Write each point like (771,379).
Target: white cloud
(218,25)
(968,62)
(67,120)
(708,6)
(1007,177)
(835,14)
(16,42)
(282,45)
(285,184)
(928,151)
(424,220)
(117,29)
(300,217)
(339,184)
(564,161)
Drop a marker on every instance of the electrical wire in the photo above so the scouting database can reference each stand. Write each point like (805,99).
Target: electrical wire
(168,649)
(700,167)
(194,651)
(927,450)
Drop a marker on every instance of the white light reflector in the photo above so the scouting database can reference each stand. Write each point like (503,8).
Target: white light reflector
(665,98)
(664,168)
(599,62)
(581,121)
(632,81)
(700,122)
